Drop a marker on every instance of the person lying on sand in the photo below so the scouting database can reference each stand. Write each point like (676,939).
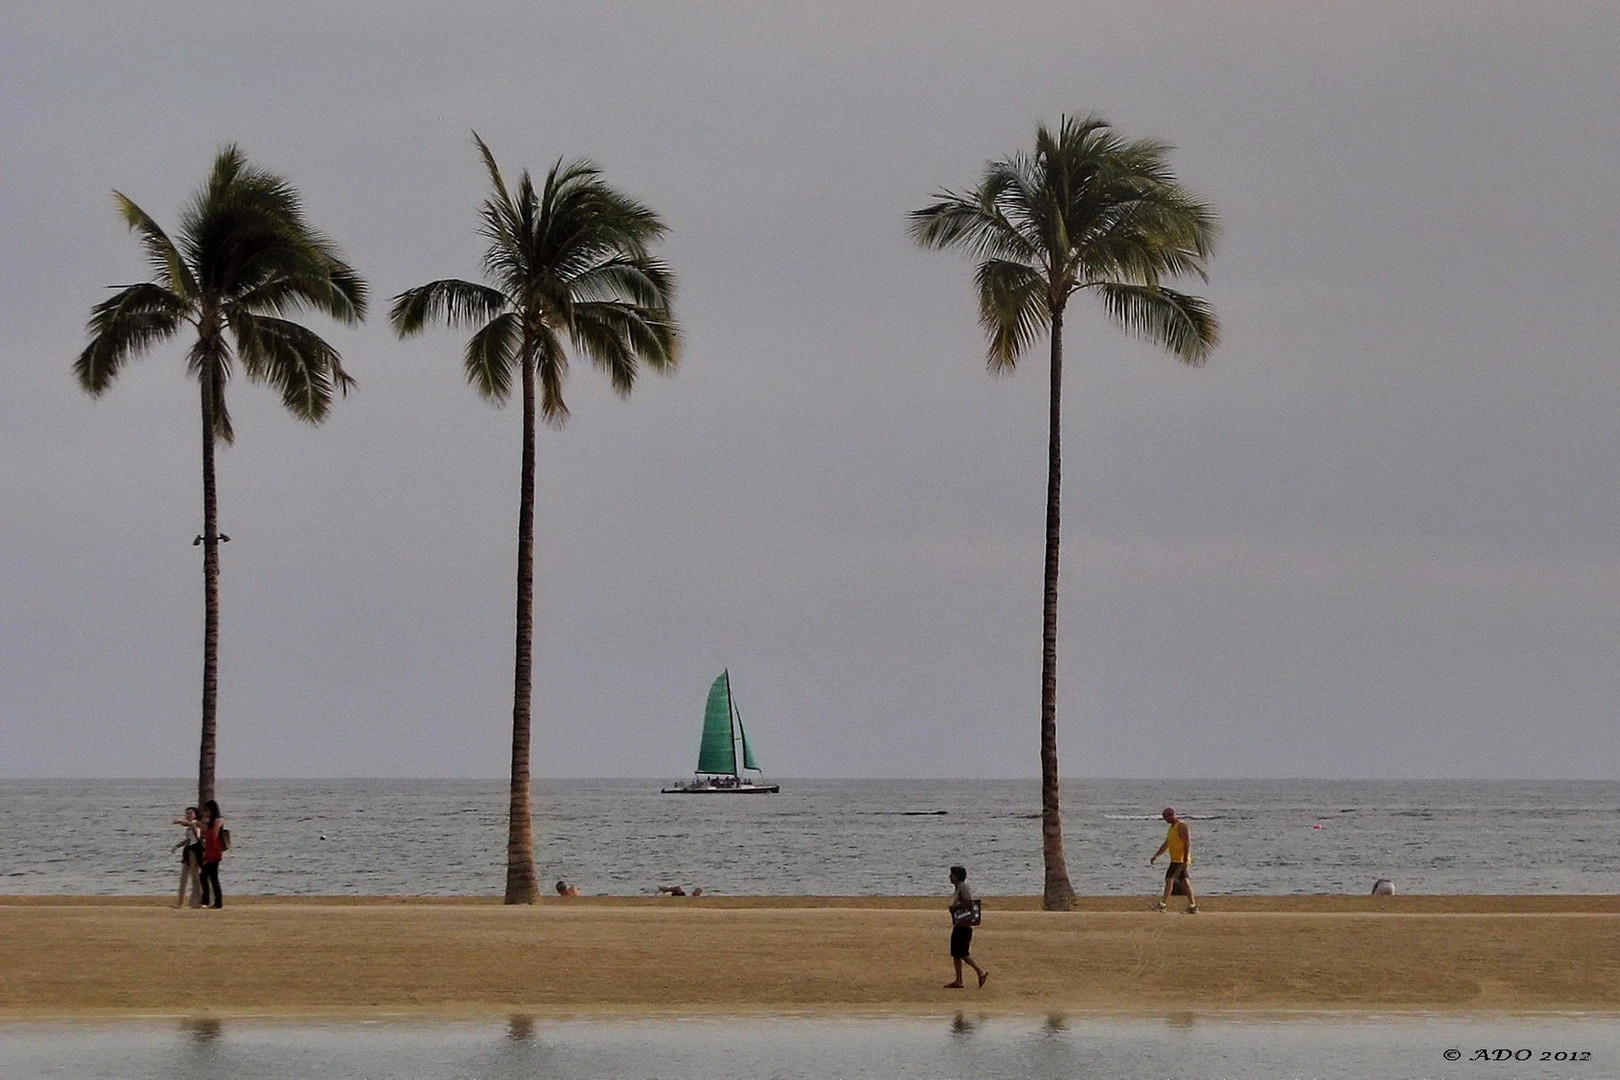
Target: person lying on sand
(676,890)
(565,889)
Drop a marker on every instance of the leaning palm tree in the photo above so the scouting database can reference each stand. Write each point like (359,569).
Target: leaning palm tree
(245,258)
(570,271)
(1089,210)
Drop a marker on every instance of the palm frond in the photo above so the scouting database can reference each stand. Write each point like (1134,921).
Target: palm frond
(224,430)
(603,335)
(492,355)
(161,253)
(1183,324)
(587,222)
(507,259)
(551,366)
(123,326)
(494,170)
(618,337)
(1148,234)
(333,287)
(975,223)
(292,358)
(350,290)
(1036,210)
(211,358)
(645,282)
(450,301)
(1013,309)
(334,290)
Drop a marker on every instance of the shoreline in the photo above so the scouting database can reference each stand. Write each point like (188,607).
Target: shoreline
(1298,903)
(107,958)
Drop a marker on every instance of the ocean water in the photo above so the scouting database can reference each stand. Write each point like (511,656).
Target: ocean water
(821,837)
(1057,1048)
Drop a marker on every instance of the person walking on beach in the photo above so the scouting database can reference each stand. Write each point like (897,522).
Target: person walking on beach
(1178,842)
(214,839)
(191,853)
(962,922)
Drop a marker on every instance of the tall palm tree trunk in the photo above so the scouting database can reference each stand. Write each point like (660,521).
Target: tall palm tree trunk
(210,681)
(1059,893)
(522,884)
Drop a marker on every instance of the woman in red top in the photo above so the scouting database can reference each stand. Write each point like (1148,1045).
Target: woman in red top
(213,852)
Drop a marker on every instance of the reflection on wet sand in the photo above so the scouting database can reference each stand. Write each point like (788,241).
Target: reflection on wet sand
(519,1046)
(202,1029)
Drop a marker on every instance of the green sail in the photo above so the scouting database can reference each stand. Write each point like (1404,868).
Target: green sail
(717,754)
(748,751)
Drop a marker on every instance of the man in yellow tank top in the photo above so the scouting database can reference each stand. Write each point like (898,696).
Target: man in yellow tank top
(1178,842)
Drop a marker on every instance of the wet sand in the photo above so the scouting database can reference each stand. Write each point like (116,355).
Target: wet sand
(98,957)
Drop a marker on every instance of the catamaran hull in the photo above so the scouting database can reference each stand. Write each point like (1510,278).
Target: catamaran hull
(738,789)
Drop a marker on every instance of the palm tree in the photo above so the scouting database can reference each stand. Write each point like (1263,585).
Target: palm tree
(245,259)
(1088,210)
(570,271)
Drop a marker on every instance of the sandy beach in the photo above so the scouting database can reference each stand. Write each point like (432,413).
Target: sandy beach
(97,957)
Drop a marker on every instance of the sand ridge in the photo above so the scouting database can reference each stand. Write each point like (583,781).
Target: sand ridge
(82,956)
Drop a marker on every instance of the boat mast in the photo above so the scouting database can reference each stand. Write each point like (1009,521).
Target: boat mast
(731,703)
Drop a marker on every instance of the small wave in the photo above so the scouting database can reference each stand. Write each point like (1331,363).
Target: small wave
(909,813)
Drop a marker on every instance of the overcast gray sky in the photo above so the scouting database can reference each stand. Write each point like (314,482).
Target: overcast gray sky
(1378,535)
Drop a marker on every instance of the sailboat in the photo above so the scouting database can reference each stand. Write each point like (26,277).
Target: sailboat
(717,772)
